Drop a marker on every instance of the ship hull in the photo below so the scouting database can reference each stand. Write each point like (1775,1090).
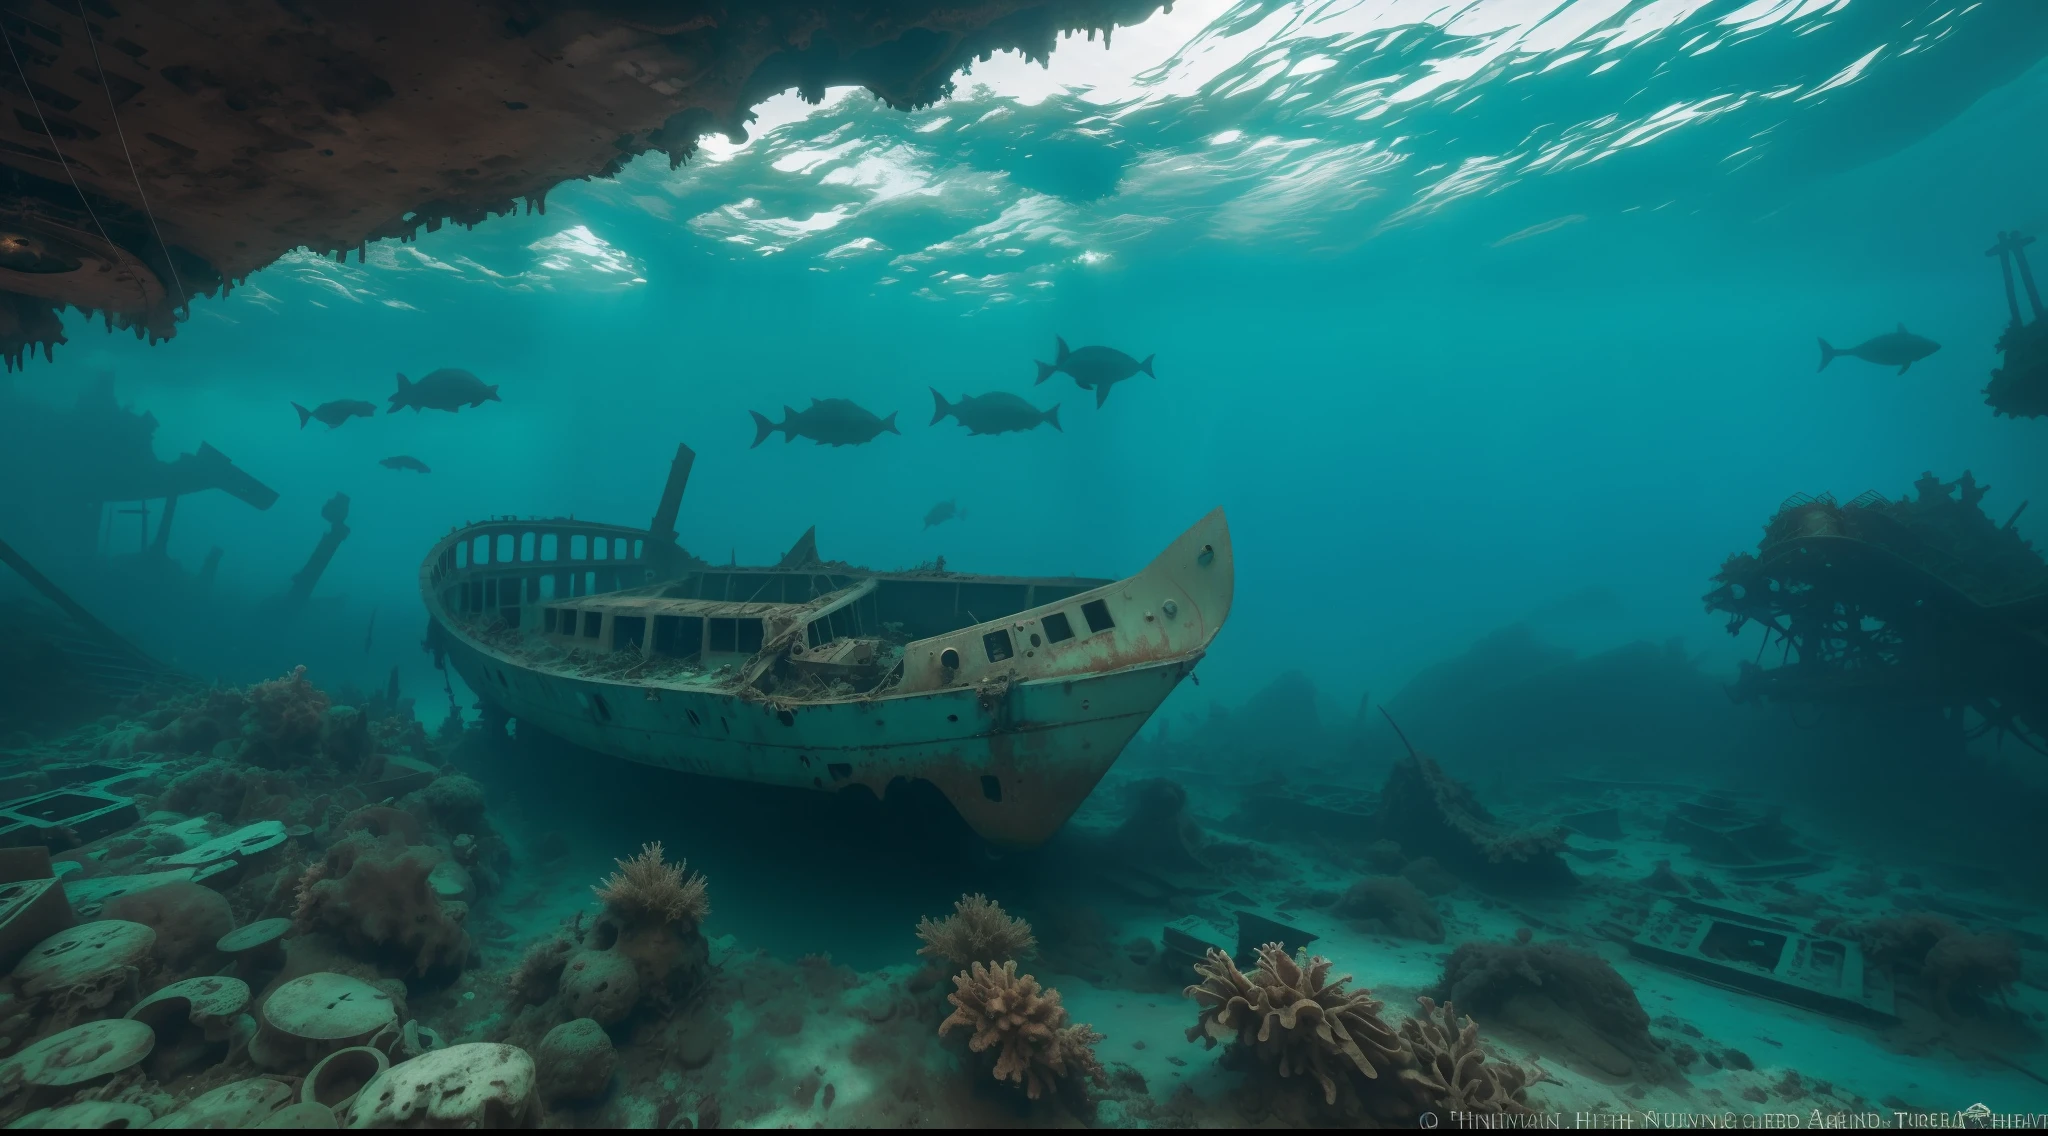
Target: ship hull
(1015,767)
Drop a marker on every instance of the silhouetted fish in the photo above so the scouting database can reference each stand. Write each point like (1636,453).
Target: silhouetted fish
(449,388)
(942,512)
(1094,368)
(404,462)
(1899,349)
(828,422)
(335,413)
(999,412)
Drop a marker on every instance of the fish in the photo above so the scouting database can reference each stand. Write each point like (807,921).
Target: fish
(449,388)
(828,422)
(998,412)
(942,512)
(1094,368)
(335,413)
(404,461)
(1899,349)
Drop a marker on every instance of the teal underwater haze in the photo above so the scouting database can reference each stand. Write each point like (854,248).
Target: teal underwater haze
(1490,327)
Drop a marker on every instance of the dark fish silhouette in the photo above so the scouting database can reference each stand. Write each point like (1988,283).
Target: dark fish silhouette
(999,412)
(1094,368)
(335,413)
(449,388)
(942,512)
(828,422)
(402,461)
(1899,349)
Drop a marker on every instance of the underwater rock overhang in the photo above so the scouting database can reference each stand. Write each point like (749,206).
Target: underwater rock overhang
(1014,719)
(207,139)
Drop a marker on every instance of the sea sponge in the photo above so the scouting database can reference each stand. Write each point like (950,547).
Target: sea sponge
(1290,1015)
(216,787)
(1451,1074)
(188,920)
(1392,905)
(979,930)
(575,1060)
(644,890)
(374,893)
(1026,1027)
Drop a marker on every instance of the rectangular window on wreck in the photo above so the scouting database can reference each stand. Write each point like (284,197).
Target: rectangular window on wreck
(1096,612)
(816,633)
(593,623)
(1057,628)
(997,644)
(723,634)
(678,636)
(550,546)
(506,549)
(749,636)
(579,547)
(480,551)
(462,555)
(628,631)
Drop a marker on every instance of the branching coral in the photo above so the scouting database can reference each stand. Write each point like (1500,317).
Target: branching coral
(285,720)
(1290,1015)
(1026,1026)
(646,890)
(1450,1072)
(979,930)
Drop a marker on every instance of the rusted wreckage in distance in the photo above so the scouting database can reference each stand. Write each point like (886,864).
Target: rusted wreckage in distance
(1920,602)
(1012,695)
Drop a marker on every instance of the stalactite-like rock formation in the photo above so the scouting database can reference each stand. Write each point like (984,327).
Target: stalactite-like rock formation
(185,145)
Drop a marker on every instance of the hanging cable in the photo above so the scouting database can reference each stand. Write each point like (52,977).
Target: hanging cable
(123,136)
(37,105)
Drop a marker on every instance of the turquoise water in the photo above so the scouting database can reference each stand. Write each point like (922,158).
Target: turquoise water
(1468,316)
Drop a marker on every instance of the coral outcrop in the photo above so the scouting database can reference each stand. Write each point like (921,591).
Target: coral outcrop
(1558,992)
(646,890)
(373,893)
(1290,1016)
(1391,905)
(1428,812)
(1947,960)
(1293,1018)
(1024,1028)
(979,930)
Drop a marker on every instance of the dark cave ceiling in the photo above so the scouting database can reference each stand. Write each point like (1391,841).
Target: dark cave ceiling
(255,127)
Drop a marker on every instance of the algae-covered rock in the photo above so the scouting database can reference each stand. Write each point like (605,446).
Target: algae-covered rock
(575,1060)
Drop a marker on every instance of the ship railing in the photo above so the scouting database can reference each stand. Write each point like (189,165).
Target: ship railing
(507,566)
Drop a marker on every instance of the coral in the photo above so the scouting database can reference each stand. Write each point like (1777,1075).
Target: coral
(979,930)
(285,721)
(646,890)
(1290,1015)
(382,820)
(1975,965)
(1393,906)
(373,892)
(455,802)
(600,985)
(1557,991)
(188,920)
(1426,811)
(1947,958)
(1026,1027)
(1451,1074)
(216,787)
(540,968)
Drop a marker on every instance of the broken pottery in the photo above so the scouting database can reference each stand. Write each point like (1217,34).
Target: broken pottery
(243,1104)
(194,1023)
(87,1114)
(309,1017)
(81,1053)
(85,955)
(340,1075)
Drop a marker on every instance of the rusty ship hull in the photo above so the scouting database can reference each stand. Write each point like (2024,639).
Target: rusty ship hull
(607,637)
